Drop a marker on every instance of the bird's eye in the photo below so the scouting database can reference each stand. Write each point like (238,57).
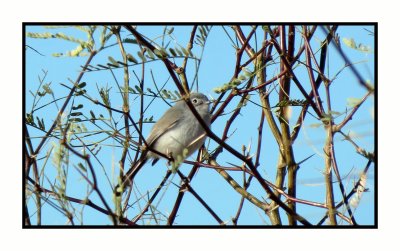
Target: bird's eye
(195,101)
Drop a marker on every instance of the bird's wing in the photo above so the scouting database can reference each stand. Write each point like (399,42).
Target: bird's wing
(163,125)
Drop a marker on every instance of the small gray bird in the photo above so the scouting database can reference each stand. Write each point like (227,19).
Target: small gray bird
(178,129)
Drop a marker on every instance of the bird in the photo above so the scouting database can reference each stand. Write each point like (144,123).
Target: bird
(177,134)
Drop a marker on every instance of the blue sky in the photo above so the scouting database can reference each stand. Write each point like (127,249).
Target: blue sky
(216,69)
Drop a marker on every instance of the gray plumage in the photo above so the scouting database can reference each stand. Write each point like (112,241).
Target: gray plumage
(176,130)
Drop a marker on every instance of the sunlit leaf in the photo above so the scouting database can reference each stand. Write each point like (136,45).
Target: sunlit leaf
(142,57)
(150,54)
(47,89)
(186,52)
(350,42)
(315,125)
(43,35)
(113,61)
(138,89)
(178,51)
(353,101)
(161,53)
(75,120)
(131,90)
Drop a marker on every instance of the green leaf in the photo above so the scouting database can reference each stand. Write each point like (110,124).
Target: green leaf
(147,120)
(335,113)
(40,123)
(93,116)
(166,94)
(169,32)
(172,52)
(47,89)
(84,129)
(131,90)
(350,42)
(82,85)
(76,52)
(41,94)
(138,89)
(77,107)
(242,77)
(140,54)
(75,128)
(326,117)
(315,125)
(178,160)
(199,40)
(291,102)
(113,61)
(161,53)
(130,41)
(352,102)
(179,52)
(79,93)
(42,35)
(105,96)
(164,52)
(75,120)
(29,119)
(76,114)
(103,36)
(69,38)
(150,54)
(177,94)
(186,52)
(246,72)
(132,59)
(203,32)
(228,86)
(82,167)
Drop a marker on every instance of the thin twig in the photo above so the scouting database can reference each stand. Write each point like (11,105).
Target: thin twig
(360,80)
(186,186)
(144,210)
(86,202)
(61,111)
(93,173)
